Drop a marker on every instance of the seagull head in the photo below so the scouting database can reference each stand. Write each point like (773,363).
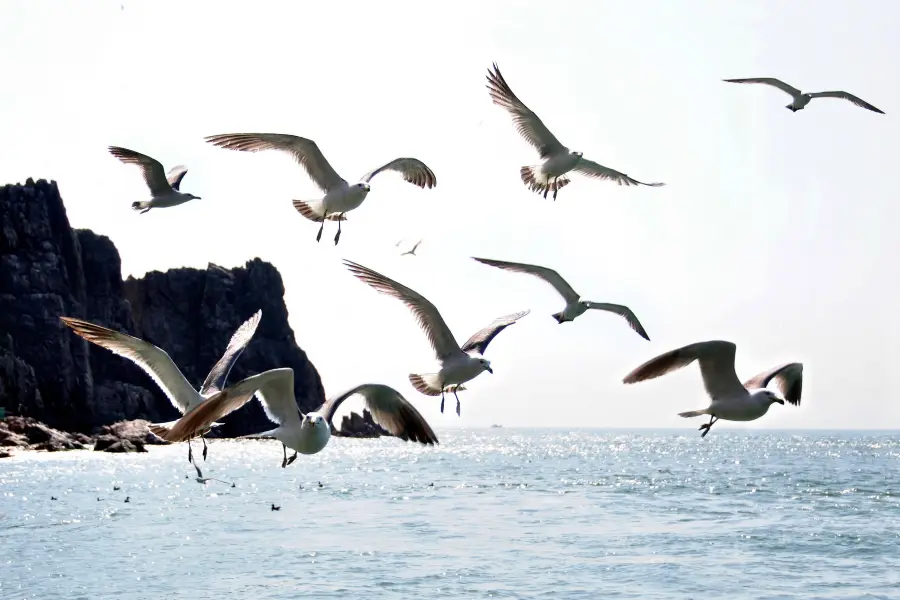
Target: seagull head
(313,420)
(578,154)
(486,364)
(364,187)
(770,396)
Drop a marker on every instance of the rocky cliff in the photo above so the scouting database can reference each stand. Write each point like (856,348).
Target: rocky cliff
(47,269)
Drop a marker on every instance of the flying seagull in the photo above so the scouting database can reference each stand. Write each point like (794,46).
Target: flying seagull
(159,366)
(309,433)
(574,305)
(340,197)
(165,190)
(411,251)
(800,99)
(458,364)
(730,399)
(557,159)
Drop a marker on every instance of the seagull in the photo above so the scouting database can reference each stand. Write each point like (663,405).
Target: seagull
(159,366)
(340,196)
(165,190)
(275,507)
(309,433)
(411,251)
(730,399)
(574,306)
(800,99)
(557,159)
(458,364)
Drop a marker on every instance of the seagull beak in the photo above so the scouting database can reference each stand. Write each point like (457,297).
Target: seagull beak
(779,401)
(489,370)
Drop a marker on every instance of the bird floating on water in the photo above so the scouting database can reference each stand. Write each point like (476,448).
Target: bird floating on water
(458,364)
(801,99)
(730,399)
(574,305)
(340,197)
(309,434)
(165,190)
(558,160)
(159,366)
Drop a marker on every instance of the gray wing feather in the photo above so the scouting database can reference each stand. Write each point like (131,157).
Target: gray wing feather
(598,171)
(788,378)
(622,311)
(176,174)
(480,340)
(847,96)
(548,275)
(215,381)
(389,409)
(716,360)
(151,169)
(413,170)
(787,89)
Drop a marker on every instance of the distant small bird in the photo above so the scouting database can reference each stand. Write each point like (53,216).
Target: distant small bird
(340,196)
(557,159)
(800,99)
(730,399)
(53,497)
(309,434)
(127,498)
(275,507)
(115,488)
(205,479)
(411,251)
(574,305)
(156,363)
(164,189)
(458,364)
(320,484)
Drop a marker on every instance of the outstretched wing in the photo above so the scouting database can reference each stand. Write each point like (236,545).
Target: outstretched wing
(304,151)
(151,169)
(413,170)
(154,361)
(526,121)
(788,378)
(427,315)
(716,360)
(597,171)
(480,340)
(176,174)
(389,409)
(215,381)
(275,389)
(548,275)
(847,96)
(622,311)
(787,89)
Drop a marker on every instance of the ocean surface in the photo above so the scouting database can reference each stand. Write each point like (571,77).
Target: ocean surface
(490,513)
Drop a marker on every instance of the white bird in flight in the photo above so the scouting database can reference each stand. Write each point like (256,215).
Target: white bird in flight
(458,364)
(164,189)
(309,433)
(411,251)
(574,305)
(159,366)
(557,159)
(340,197)
(730,399)
(800,99)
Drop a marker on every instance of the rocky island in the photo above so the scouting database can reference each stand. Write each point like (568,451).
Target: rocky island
(60,392)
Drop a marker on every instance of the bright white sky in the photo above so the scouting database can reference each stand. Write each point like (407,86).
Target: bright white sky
(777,231)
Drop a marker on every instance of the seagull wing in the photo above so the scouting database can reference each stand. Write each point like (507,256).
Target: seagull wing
(427,315)
(176,174)
(389,409)
(154,361)
(787,89)
(716,360)
(846,96)
(152,169)
(788,378)
(413,170)
(548,275)
(622,311)
(480,340)
(304,151)
(215,381)
(598,171)
(527,123)
(275,389)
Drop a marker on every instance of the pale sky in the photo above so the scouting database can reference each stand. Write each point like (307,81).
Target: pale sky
(776,230)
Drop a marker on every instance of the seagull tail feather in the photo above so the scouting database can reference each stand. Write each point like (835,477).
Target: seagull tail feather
(538,182)
(140,205)
(314,210)
(558,316)
(694,413)
(426,384)
(161,429)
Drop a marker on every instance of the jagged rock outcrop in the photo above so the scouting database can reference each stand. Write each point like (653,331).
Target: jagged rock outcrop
(359,426)
(48,270)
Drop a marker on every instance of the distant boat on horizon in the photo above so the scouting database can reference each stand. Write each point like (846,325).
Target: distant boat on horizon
(496,425)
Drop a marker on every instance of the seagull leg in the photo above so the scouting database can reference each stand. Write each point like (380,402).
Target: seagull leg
(705,427)
(547,188)
(190,452)
(442,400)
(199,473)
(337,236)
(457,402)
(204,448)
(284,449)
(555,187)
(322,226)
(293,458)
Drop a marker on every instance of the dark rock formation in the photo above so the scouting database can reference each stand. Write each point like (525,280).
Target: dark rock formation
(48,270)
(354,425)
(24,432)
